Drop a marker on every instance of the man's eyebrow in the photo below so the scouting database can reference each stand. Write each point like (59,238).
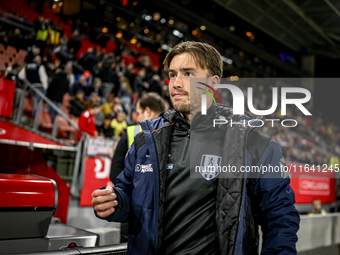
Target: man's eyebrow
(185,69)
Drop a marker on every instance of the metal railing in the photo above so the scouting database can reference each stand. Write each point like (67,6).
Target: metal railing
(65,146)
(38,108)
(119,249)
(16,21)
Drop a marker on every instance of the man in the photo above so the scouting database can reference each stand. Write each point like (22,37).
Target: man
(74,44)
(31,54)
(317,208)
(87,122)
(57,89)
(96,87)
(171,213)
(36,74)
(149,106)
(106,131)
(77,104)
(81,84)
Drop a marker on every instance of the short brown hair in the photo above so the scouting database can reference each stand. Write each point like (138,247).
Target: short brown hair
(152,100)
(206,56)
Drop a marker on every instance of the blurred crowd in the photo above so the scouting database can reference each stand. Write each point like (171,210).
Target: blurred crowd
(74,82)
(113,80)
(313,141)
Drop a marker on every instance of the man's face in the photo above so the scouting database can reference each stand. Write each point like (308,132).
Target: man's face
(182,68)
(97,84)
(82,80)
(107,122)
(317,205)
(146,114)
(80,96)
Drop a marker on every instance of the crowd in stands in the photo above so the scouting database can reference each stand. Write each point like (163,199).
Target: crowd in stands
(113,76)
(90,73)
(313,141)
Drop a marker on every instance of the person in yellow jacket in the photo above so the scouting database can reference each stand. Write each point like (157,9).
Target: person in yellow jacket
(317,208)
(119,124)
(41,38)
(149,106)
(334,163)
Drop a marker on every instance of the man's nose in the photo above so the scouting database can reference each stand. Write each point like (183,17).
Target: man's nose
(178,81)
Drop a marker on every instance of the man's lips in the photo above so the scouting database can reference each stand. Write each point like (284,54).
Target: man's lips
(179,95)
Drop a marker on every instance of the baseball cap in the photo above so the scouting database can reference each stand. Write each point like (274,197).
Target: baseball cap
(87,74)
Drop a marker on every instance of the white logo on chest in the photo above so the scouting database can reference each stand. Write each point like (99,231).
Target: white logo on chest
(144,168)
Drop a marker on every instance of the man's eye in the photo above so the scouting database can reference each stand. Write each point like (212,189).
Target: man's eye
(172,75)
(188,74)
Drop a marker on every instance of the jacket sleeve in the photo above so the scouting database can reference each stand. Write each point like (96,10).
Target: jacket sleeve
(123,189)
(272,201)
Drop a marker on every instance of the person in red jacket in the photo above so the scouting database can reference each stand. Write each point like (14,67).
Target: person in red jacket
(86,120)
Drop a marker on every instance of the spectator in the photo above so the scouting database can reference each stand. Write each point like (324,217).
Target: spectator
(41,38)
(87,121)
(53,37)
(49,67)
(97,88)
(106,130)
(103,71)
(89,60)
(125,94)
(154,85)
(80,85)
(99,119)
(93,98)
(36,74)
(74,44)
(37,24)
(317,208)
(16,40)
(119,124)
(107,107)
(69,73)
(57,89)
(140,83)
(12,72)
(31,54)
(77,104)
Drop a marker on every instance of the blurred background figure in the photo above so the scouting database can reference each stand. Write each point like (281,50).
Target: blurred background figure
(317,208)
(87,120)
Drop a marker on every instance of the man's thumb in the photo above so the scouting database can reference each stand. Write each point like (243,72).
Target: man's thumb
(109,187)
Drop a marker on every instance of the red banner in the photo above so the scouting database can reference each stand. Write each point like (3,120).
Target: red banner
(97,174)
(7,88)
(308,184)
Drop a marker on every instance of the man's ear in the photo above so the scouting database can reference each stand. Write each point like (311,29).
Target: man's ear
(215,80)
(148,111)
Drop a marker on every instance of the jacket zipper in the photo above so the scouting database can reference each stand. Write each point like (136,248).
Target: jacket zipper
(242,191)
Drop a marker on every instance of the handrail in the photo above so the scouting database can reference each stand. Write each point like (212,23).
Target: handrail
(15,17)
(16,24)
(118,249)
(50,103)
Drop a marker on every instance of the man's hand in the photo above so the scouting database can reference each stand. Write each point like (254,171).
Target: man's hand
(104,201)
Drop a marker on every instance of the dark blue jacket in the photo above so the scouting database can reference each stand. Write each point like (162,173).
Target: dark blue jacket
(244,200)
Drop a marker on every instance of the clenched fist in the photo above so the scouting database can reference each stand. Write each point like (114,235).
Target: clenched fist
(104,201)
